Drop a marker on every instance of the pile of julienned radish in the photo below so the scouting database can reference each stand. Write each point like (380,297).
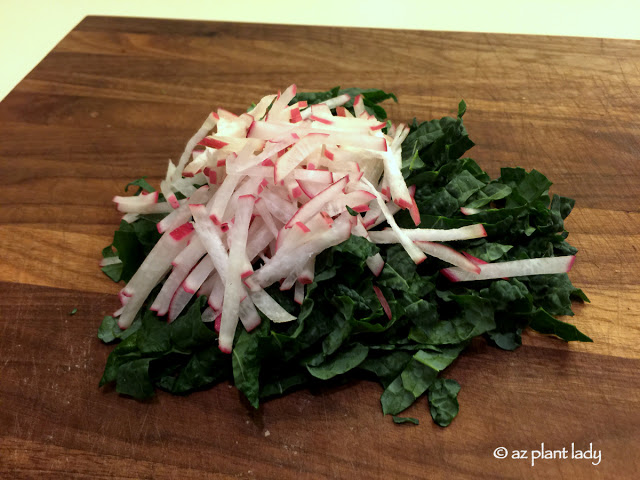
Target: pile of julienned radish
(263,193)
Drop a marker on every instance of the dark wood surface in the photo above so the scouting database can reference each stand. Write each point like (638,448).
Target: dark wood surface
(118,97)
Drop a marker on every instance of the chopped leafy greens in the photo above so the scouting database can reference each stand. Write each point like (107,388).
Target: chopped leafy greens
(411,420)
(443,400)
(341,327)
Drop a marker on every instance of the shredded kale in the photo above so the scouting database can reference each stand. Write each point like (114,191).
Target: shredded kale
(410,420)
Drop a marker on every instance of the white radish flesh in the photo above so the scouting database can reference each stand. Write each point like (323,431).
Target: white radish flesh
(182,265)
(221,199)
(261,107)
(515,268)
(152,270)
(449,255)
(374,262)
(287,260)
(233,288)
(216,294)
(316,204)
(109,261)
(414,252)
(430,234)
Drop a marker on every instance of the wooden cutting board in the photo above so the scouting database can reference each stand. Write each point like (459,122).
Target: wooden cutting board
(118,97)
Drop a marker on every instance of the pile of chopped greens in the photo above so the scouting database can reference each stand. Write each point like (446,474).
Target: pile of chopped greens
(341,331)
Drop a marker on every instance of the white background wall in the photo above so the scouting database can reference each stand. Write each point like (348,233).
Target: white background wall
(29,29)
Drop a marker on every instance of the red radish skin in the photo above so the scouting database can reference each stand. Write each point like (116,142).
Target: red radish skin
(449,275)
(250,129)
(297,192)
(302,227)
(326,217)
(320,120)
(124,297)
(360,208)
(449,255)
(212,143)
(212,175)
(358,105)
(476,260)
(370,223)
(415,213)
(295,115)
(383,301)
(182,231)
(173,201)
(402,203)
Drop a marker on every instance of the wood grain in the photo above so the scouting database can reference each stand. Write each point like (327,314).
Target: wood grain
(118,97)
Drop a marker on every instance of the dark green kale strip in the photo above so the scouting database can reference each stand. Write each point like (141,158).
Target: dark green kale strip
(410,420)
(443,401)
(142,185)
